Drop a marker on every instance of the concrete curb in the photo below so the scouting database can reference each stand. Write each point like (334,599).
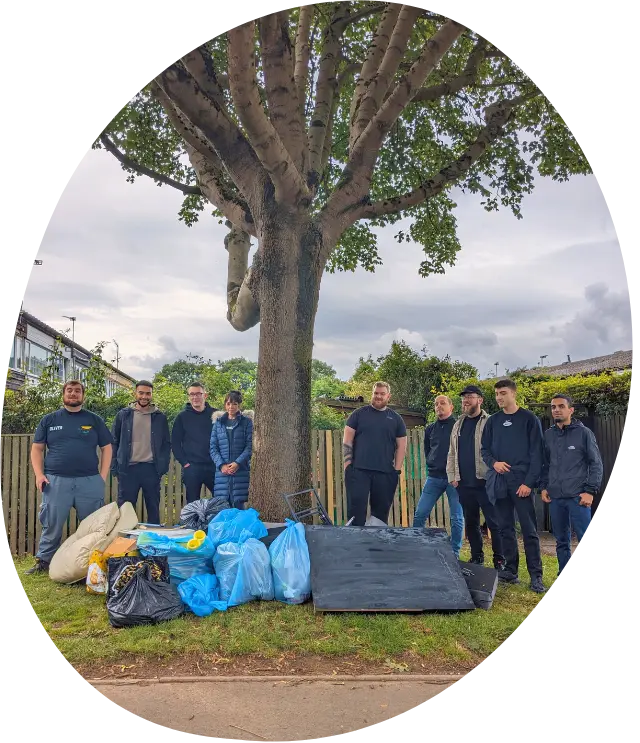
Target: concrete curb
(338,679)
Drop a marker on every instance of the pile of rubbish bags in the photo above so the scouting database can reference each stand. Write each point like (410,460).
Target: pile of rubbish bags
(208,571)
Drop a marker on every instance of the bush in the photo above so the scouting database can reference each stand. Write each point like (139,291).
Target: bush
(603,394)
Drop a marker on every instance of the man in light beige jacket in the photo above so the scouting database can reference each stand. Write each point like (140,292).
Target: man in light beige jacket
(467,473)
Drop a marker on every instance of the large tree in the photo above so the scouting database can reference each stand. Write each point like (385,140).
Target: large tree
(306,130)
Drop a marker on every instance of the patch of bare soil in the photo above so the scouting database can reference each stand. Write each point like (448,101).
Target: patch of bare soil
(288,664)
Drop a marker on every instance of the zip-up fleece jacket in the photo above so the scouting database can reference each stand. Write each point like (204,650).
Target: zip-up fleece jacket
(572,462)
(191,435)
(453,461)
(436,447)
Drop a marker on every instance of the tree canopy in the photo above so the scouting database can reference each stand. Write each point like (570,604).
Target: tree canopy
(402,101)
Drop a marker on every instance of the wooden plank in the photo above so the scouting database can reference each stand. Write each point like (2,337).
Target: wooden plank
(14,493)
(6,481)
(162,507)
(313,451)
(357,569)
(329,470)
(404,512)
(22,502)
(322,475)
(32,512)
(338,477)
(181,492)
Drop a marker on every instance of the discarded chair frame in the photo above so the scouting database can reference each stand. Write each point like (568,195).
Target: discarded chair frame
(317,510)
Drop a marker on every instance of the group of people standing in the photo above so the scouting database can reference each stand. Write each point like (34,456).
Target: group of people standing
(482,463)
(489,464)
(212,446)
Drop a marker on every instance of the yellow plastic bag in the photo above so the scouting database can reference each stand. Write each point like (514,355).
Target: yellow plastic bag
(97,573)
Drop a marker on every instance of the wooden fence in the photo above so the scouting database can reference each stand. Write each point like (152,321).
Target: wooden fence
(21,500)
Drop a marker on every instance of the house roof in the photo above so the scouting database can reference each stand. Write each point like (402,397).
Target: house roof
(36,323)
(617,361)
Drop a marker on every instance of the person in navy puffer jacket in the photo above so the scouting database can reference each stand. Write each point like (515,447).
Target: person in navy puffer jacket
(231,446)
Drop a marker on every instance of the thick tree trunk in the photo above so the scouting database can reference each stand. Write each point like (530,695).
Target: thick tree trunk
(288,288)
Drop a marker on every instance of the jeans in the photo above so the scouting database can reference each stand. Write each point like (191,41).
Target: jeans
(567,513)
(141,476)
(85,494)
(362,484)
(473,499)
(434,487)
(195,476)
(526,511)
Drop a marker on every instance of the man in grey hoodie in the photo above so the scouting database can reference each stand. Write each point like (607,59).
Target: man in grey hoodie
(141,451)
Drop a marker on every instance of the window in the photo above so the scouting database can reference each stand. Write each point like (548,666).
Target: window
(16,357)
(35,358)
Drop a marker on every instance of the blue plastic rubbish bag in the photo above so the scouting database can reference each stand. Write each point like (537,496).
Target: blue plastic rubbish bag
(201,594)
(184,563)
(290,565)
(244,571)
(229,524)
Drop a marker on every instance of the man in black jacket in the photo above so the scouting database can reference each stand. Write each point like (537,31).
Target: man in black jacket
(437,438)
(571,475)
(512,450)
(141,451)
(190,442)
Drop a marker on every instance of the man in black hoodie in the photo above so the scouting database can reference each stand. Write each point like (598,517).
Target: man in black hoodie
(437,437)
(190,440)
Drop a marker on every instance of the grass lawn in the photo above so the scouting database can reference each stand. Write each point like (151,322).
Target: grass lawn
(426,643)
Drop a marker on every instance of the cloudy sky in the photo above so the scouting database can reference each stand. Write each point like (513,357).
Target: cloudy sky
(116,256)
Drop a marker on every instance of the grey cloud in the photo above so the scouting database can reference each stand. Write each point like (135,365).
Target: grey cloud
(605,322)
(116,256)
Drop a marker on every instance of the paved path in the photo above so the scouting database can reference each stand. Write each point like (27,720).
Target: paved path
(272,708)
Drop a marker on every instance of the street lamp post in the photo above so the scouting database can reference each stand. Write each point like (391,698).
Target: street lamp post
(496,366)
(73,339)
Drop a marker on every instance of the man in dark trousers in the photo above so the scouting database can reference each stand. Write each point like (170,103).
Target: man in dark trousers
(141,451)
(374,445)
(467,472)
(437,436)
(571,475)
(68,475)
(190,439)
(512,451)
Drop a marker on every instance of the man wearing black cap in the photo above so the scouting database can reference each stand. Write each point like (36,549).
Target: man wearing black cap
(467,472)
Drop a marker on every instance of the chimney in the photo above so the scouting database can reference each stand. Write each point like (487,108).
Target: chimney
(568,359)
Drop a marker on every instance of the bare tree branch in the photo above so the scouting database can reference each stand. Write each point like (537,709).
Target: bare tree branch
(356,177)
(130,163)
(497,115)
(220,131)
(285,111)
(217,192)
(379,84)
(200,66)
(326,88)
(456,84)
(303,52)
(287,181)
(375,54)
(190,133)
(243,312)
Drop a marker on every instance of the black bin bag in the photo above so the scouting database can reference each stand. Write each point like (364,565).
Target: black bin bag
(144,598)
(198,514)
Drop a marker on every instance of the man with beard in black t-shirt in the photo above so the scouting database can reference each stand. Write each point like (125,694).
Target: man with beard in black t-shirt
(467,473)
(374,445)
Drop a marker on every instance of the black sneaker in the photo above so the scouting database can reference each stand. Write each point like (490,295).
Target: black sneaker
(499,566)
(506,576)
(537,585)
(476,561)
(40,567)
